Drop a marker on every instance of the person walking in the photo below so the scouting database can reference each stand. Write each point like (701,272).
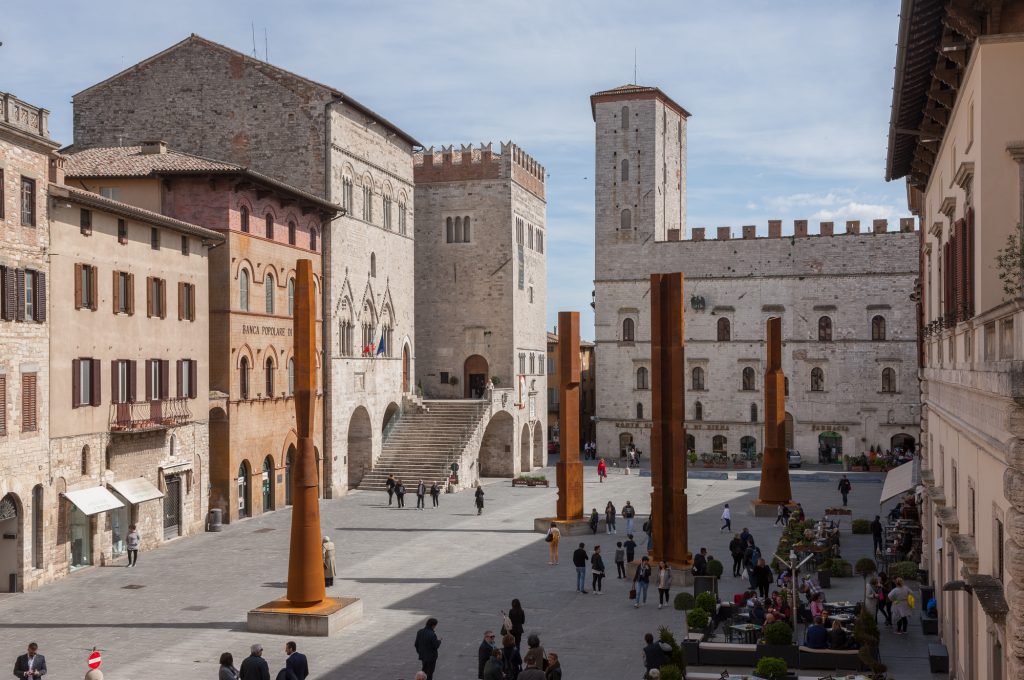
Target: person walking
(227,669)
(330,568)
(596,570)
(553,537)
(726,519)
(595,520)
(421,495)
(664,583)
(32,664)
(390,486)
(884,603)
(620,560)
(517,617)
(654,655)
(901,609)
(535,656)
(609,518)
(554,671)
(876,534)
(579,560)
(295,661)
(479,495)
(602,470)
(400,493)
(427,643)
(762,578)
(628,513)
(641,580)
(511,659)
(700,563)
(844,489)
(132,542)
(630,546)
(736,550)
(483,654)
(435,493)
(780,516)
(254,666)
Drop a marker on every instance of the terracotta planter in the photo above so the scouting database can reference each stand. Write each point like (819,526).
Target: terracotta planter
(874,468)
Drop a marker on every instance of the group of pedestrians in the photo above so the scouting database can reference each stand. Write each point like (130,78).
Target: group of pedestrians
(396,490)
(255,667)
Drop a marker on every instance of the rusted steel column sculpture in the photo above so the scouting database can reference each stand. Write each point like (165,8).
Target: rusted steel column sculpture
(569,470)
(305,561)
(775,486)
(668,436)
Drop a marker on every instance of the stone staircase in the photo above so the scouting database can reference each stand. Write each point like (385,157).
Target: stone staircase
(427,438)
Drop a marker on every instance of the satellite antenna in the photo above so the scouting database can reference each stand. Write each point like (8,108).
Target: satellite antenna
(252,25)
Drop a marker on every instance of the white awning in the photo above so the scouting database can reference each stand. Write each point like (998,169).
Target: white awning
(137,490)
(94,500)
(899,480)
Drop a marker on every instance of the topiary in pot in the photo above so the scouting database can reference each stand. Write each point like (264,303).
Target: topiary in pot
(671,672)
(707,602)
(778,633)
(905,570)
(772,668)
(697,620)
(865,632)
(684,601)
(676,657)
(715,568)
(865,567)
(861,526)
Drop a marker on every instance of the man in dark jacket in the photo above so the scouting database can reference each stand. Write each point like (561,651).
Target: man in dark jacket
(421,493)
(296,662)
(484,652)
(427,643)
(736,550)
(654,655)
(579,560)
(876,533)
(30,665)
(844,488)
(700,563)
(817,636)
(254,667)
(390,484)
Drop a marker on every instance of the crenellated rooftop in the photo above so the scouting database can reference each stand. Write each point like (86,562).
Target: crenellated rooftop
(800,230)
(470,162)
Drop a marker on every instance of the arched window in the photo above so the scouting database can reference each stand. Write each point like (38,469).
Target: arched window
(625,118)
(85,459)
(533,364)
(373,265)
(449,228)
(748,379)
(627,330)
(639,411)
(626,220)
(243,290)
(269,231)
(698,411)
(291,297)
(625,169)
(243,214)
(719,443)
(817,380)
(465,229)
(825,329)
(697,378)
(785,384)
(269,378)
(878,328)
(37,526)
(291,377)
(243,378)
(724,330)
(888,380)
(753,413)
(291,233)
(641,379)
(312,240)
(458,230)
(268,292)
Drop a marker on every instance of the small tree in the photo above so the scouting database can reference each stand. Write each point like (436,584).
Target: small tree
(865,632)
(707,602)
(865,567)
(715,568)
(778,633)
(684,601)
(772,668)
(676,657)
(1010,263)
(697,620)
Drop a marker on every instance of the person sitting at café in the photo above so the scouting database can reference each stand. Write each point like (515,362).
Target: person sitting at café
(837,638)
(817,636)
(779,607)
(757,612)
(818,607)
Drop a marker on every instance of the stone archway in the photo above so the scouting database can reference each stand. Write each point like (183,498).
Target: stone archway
(538,444)
(360,446)
(903,441)
(524,448)
(12,523)
(390,414)
(474,377)
(496,457)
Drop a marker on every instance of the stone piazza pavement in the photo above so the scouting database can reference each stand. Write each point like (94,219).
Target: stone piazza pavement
(186,602)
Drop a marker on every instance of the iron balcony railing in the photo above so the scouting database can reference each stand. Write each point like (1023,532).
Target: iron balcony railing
(149,415)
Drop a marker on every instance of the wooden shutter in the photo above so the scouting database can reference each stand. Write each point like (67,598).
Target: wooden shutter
(76,382)
(165,378)
(181,300)
(40,310)
(149,380)
(6,299)
(178,374)
(191,302)
(115,397)
(94,298)
(149,303)
(131,293)
(193,367)
(78,286)
(28,402)
(19,313)
(969,261)
(131,381)
(163,298)
(117,292)
(3,405)
(95,387)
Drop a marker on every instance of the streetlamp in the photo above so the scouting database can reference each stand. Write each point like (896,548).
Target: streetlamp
(794,569)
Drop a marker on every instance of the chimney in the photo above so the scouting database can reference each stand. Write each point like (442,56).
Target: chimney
(826,228)
(852,226)
(880,226)
(749,231)
(673,234)
(724,233)
(56,168)
(155,146)
(697,234)
(906,224)
(800,227)
(774,228)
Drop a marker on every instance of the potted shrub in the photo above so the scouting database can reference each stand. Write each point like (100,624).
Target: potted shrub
(840,568)
(671,672)
(865,632)
(495,380)
(676,665)
(715,569)
(453,381)
(905,570)
(707,602)
(771,668)
(692,457)
(684,602)
(861,526)
(777,642)
(697,620)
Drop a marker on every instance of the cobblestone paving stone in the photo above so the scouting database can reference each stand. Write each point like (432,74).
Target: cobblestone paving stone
(406,565)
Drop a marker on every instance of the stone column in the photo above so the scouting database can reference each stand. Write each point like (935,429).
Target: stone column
(775,488)
(569,470)
(668,437)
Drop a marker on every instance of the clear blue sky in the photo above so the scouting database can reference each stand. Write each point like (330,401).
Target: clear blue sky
(790,100)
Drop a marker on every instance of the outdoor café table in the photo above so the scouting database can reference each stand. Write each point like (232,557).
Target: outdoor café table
(843,619)
(842,606)
(747,631)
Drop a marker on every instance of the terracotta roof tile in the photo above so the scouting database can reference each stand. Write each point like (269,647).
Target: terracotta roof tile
(129,161)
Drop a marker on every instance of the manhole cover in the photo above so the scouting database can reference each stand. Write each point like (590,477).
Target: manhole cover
(194,608)
(132,587)
(264,530)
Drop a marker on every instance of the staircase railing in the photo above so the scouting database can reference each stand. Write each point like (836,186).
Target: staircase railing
(392,424)
(456,450)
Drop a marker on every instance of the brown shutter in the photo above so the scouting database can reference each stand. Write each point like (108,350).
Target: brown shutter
(28,402)
(193,389)
(19,314)
(40,310)
(131,381)
(76,383)
(149,380)
(131,293)
(78,286)
(181,300)
(94,297)
(149,300)
(115,398)
(163,298)
(96,396)
(178,375)
(3,404)
(192,302)
(116,297)
(165,378)
(969,258)
(7,294)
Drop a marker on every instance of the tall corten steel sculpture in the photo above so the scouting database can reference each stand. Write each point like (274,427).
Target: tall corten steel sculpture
(569,470)
(668,436)
(775,488)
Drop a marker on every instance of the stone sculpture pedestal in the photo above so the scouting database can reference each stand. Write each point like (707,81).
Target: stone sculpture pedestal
(326,618)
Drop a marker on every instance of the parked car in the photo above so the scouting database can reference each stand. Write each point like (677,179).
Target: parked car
(794,457)
(553,448)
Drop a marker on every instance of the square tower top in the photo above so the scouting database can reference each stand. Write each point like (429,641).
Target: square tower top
(632,93)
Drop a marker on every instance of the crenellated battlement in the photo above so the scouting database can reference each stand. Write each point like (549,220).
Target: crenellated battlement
(749,231)
(469,162)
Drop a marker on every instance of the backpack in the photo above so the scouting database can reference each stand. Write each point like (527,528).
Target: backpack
(755,555)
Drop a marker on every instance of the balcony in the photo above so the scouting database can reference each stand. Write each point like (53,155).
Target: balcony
(146,416)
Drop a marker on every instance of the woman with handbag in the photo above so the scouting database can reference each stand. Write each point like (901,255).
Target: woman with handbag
(664,583)
(552,538)
(518,618)
(596,570)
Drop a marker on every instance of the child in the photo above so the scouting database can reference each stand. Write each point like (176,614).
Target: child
(620,559)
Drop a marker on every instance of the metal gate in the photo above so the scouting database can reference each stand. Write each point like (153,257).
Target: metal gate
(172,508)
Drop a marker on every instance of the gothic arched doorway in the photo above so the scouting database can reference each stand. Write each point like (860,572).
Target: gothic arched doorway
(11,551)
(474,377)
